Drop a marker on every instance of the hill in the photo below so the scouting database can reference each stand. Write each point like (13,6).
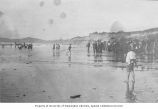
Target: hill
(26,40)
(141,35)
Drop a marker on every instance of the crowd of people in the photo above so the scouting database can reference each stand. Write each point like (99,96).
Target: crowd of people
(98,46)
(126,50)
(56,46)
(121,47)
(21,46)
(144,47)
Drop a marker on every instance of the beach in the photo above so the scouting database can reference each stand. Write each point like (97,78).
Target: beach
(43,75)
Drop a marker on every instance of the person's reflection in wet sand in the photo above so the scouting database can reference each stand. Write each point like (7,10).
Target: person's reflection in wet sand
(53,53)
(142,68)
(130,96)
(88,54)
(150,58)
(57,53)
(69,60)
(95,58)
(98,60)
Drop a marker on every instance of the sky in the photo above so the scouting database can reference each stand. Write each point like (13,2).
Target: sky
(62,19)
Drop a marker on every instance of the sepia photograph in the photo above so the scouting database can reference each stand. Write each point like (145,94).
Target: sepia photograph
(79,51)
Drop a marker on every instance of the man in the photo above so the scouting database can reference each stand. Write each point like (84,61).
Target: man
(53,46)
(108,46)
(88,46)
(30,46)
(69,48)
(69,51)
(94,47)
(131,62)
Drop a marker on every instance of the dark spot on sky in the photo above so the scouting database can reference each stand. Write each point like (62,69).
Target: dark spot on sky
(24,95)
(43,91)
(44,29)
(51,21)
(117,27)
(57,2)
(63,15)
(41,3)
(1,13)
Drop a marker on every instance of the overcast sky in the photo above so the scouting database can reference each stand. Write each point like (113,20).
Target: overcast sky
(50,19)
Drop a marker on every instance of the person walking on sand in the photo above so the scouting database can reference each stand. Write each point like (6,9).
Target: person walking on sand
(53,47)
(68,53)
(94,47)
(88,46)
(131,62)
(69,48)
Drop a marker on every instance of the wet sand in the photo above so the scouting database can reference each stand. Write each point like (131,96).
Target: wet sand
(42,75)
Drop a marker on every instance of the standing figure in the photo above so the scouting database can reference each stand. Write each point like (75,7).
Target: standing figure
(69,48)
(30,46)
(68,53)
(94,47)
(102,47)
(3,45)
(108,46)
(88,46)
(131,62)
(15,44)
(58,46)
(53,47)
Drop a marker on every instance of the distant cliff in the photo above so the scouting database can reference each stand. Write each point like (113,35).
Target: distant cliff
(105,36)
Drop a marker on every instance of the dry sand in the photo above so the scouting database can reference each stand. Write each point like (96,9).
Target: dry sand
(43,76)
